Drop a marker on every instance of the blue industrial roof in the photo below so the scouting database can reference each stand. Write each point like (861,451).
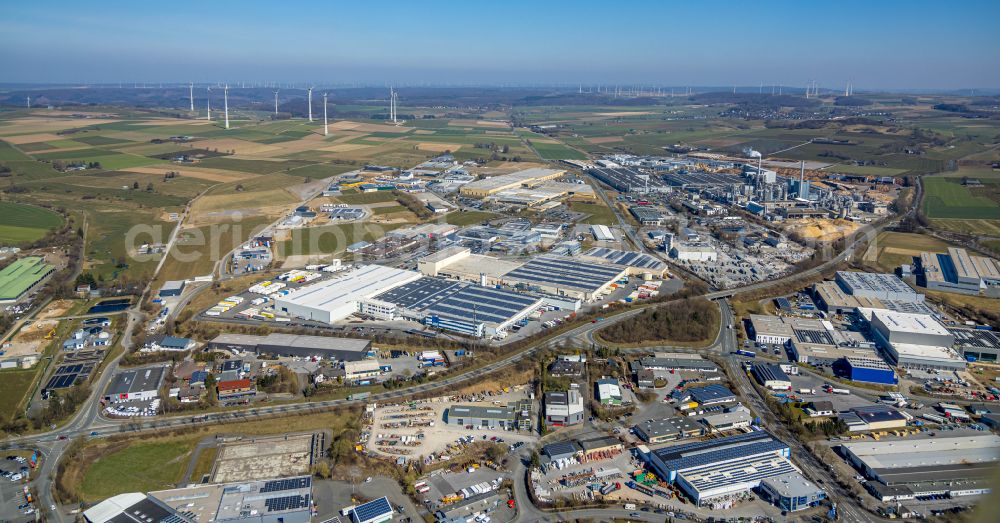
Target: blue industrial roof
(682,457)
(372,510)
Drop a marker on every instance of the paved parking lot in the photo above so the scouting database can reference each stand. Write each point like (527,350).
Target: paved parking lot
(12,495)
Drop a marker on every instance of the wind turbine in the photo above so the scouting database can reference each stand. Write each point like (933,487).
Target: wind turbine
(310,90)
(225,103)
(276,102)
(208,100)
(326,125)
(29,102)
(191,94)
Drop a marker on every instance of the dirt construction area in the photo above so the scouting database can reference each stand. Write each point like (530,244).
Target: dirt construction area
(263,458)
(31,339)
(419,428)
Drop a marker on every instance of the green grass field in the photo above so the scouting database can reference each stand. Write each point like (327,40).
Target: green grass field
(600,214)
(557,151)
(367,197)
(21,223)
(948,198)
(388,210)
(468,217)
(140,467)
(14,385)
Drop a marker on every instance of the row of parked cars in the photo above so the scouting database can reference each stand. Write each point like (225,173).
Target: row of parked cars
(17,474)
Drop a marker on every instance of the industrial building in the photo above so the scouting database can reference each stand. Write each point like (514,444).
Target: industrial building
(771,376)
(791,492)
(337,298)
(21,277)
(707,395)
(608,391)
(563,408)
(646,215)
(478,417)
(602,233)
(535,195)
(274,344)
(867,370)
(675,364)
(286,500)
(375,511)
(494,184)
(736,419)
(720,469)
(957,271)
(361,369)
(977,345)
(831,297)
(135,385)
(940,465)
(479,311)
(914,341)
(565,276)
(626,180)
(171,288)
(874,417)
(694,251)
(134,507)
(769,329)
(639,263)
(876,286)
(662,430)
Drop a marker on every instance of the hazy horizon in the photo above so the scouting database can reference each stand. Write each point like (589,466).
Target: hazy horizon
(886,46)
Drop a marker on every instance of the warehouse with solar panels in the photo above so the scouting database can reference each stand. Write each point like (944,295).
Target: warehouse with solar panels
(375,511)
(287,500)
(473,310)
(723,469)
(639,263)
(565,276)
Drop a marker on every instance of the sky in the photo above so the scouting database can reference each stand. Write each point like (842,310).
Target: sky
(887,44)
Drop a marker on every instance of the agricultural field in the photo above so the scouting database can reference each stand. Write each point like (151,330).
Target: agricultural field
(892,249)
(949,198)
(953,205)
(199,248)
(20,224)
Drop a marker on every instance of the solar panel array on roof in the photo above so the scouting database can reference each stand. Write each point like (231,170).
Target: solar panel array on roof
(561,271)
(286,503)
(681,457)
(741,471)
(286,484)
(627,258)
(420,293)
(976,338)
(561,448)
(372,509)
(485,304)
(811,336)
(711,394)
